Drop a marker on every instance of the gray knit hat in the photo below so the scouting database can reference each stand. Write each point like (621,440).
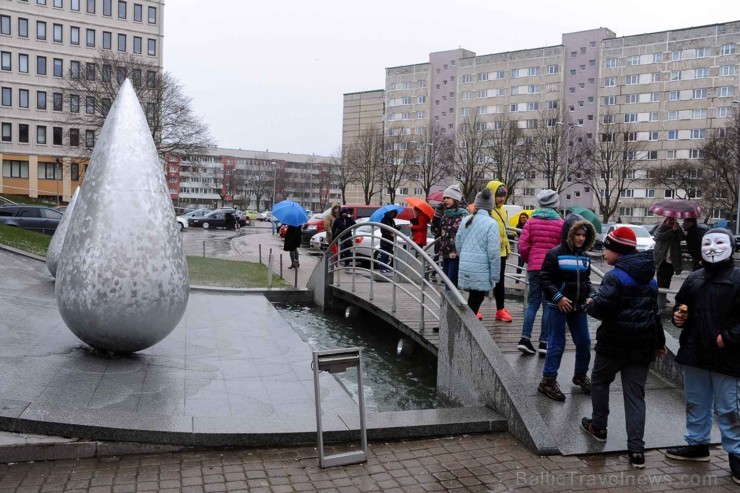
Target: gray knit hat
(484,200)
(548,198)
(453,192)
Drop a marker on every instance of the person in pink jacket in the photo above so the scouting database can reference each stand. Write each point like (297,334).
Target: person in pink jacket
(540,233)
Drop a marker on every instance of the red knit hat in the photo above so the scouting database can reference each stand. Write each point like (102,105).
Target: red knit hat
(621,240)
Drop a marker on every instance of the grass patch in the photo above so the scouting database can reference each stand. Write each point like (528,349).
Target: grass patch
(28,241)
(230,274)
(21,199)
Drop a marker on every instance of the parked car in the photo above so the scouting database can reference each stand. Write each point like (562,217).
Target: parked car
(265,216)
(31,217)
(215,219)
(251,215)
(645,240)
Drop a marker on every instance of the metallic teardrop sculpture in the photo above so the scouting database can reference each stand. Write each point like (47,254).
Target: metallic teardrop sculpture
(57,241)
(122,280)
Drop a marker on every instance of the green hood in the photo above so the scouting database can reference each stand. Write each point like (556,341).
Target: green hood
(456,212)
(546,213)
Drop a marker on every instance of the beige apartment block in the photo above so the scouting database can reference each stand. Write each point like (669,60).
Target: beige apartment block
(362,111)
(675,86)
(42,42)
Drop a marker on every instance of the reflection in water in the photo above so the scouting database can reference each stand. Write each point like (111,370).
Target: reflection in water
(392,383)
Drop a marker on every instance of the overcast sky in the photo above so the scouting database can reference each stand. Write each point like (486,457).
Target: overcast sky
(269,75)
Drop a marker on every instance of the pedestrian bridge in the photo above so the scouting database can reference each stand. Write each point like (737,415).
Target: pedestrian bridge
(478,363)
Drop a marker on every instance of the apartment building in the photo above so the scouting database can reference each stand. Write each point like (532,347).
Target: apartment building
(43,42)
(674,86)
(251,179)
(362,111)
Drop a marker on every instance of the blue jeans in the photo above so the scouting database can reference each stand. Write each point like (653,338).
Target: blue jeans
(578,325)
(450,267)
(706,391)
(535,300)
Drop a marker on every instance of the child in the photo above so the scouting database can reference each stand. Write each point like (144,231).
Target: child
(708,312)
(566,287)
(502,219)
(628,340)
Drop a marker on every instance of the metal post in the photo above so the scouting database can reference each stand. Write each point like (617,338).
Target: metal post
(204,248)
(392,258)
(421,281)
(372,263)
(281,265)
(269,270)
(295,277)
(260,250)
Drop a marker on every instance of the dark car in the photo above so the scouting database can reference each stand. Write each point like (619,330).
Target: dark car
(216,219)
(31,217)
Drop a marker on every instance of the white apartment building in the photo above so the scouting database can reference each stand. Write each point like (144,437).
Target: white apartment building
(42,42)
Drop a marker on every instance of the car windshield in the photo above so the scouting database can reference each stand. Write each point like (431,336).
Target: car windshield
(639,231)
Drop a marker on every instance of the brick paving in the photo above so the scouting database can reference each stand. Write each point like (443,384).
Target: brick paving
(479,463)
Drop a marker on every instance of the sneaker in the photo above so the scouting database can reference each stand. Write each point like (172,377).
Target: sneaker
(582,381)
(542,349)
(549,386)
(637,459)
(479,315)
(689,452)
(525,346)
(503,315)
(735,467)
(588,426)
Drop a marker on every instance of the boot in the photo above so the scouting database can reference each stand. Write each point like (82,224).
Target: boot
(735,467)
(549,386)
(689,452)
(581,379)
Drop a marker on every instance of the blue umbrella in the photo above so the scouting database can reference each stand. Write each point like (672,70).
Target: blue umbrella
(379,213)
(290,213)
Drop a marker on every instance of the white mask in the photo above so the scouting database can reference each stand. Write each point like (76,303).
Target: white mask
(716,247)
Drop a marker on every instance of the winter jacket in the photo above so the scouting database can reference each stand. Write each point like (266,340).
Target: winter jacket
(388,221)
(419,229)
(328,223)
(566,270)
(540,233)
(712,295)
(693,240)
(478,243)
(448,226)
(340,224)
(437,219)
(627,305)
(501,217)
(292,238)
(668,242)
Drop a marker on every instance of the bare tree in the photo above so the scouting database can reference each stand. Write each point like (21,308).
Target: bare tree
(548,147)
(366,158)
(433,157)
(342,172)
(471,164)
(681,177)
(92,88)
(508,151)
(609,161)
(721,160)
(398,162)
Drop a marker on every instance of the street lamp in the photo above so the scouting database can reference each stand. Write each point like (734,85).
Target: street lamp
(57,165)
(274,181)
(568,127)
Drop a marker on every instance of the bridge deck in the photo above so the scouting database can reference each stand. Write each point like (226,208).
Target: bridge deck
(665,418)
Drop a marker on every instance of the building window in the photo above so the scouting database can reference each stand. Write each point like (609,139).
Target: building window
(701,73)
(673,115)
(105,73)
(670,154)
(41,100)
(120,74)
(135,77)
(57,101)
(121,42)
(74,35)
(726,70)
(632,79)
(653,116)
(676,55)
(7,63)
(533,71)
(41,65)
(74,137)
(151,78)
(726,92)
(7,96)
(74,171)
(74,69)
(108,8)
(90,105)
(699,114)
(75,5)
(40,134)
(121,9)
(702,52)
(728,49)
(137,45)
(138,12)
(58,67)
(90,6)
(698,133)
(40,30)
(657,57)
(23,133)
(482,76)
(652,135)
(700,94)
(553,69)
(56,135)
(22,27)
(632,60)
(90,71)
(610,82)
(631,98)
(91,38)
(676,75)
(630,117)
(151,47)
(672,134)
(74,103)
(610,63)
(7,137)
(673,96)
(107,40)
(90,138)
(57,33)
(22,63)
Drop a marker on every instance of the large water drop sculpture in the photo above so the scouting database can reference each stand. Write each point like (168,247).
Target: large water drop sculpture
(122,280)
(57,241)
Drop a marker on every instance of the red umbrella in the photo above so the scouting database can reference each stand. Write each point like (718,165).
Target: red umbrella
(425,208)
(436,197)
(676,208)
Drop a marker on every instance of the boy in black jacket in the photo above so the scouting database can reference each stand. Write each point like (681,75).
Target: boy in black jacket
(629,338)
(566,287)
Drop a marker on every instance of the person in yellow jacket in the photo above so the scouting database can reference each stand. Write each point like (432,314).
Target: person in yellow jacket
(500,192)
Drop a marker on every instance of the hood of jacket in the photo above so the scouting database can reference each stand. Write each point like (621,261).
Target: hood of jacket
(640,266)
(493,186)
(546,213)
(573,222)
(455,212)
